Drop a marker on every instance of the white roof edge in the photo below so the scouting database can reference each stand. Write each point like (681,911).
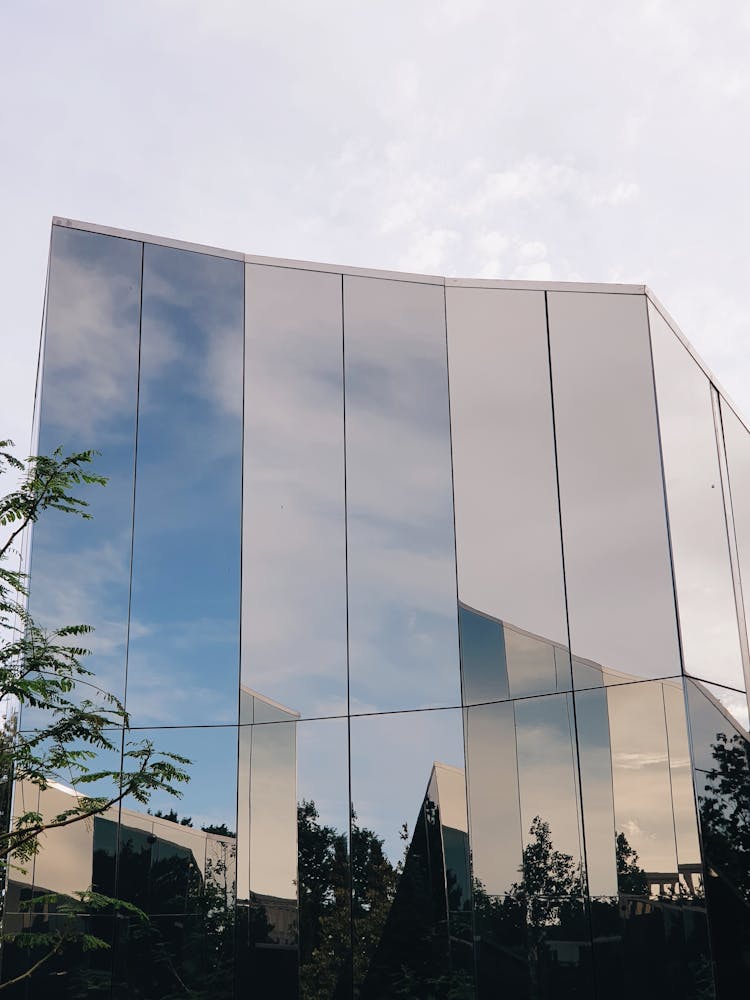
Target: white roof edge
(669,320)
(366,272)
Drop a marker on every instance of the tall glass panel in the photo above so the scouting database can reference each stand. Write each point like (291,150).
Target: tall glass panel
(403,639)
(595,757)
(294,565)
(411,891)
(183,663)
(507,522)
(89,393)
(700,547)
(177,861)
(737,445)
(620,595)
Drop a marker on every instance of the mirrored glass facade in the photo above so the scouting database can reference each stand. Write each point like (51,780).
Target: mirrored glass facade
(439,585)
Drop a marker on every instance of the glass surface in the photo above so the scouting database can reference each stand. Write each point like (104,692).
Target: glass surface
(619,586)
(683,795)
(294,565)
(89,392)
(411,899)
(552,855)
(507,520)
(494,808)
(722,784)
(595,761)
(700,548)
(737,445)
(532,664)
(735,702)
(324,882)
(644,820)
(403,636)
(484,676)
(183,660)
(177,861)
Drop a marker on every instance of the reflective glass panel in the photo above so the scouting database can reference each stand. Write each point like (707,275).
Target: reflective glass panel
(177,861)
(620,595)
(532,664)
(595,759)
(683,796)
(484,675)
(411,896)
(547,779)
(737,444)
(507,520)
(89,392)
(294,569)
(700,548)
(183,660)
(403,639)
(494,809)
(735,702)
(644,824)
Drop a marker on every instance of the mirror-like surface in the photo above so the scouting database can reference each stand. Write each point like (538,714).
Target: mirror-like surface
(620,595)
(403,641)
(411,898)
(700,548)
(735,702)
(595,758)
(737,445)
(722,784)
(294,586)
(683,796)
(177,861)
(484,676)
(494,808)
(507,521)
(89,393)
(183,660)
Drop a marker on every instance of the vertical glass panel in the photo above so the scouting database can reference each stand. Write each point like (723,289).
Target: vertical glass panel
(494,809)
(722,784)
(735,702)
(483,671)
(595,759)
(507,520)
(267,915)
(177,862)
(324,882)
(620,596)
(683,796)
(183,661)
(737,444)
(410,886)
(403,640)
(531,663)
(294,586)
(89,391)
(645,844)
(700,548)
(552,856)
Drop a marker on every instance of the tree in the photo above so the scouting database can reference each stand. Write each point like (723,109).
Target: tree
(42,669)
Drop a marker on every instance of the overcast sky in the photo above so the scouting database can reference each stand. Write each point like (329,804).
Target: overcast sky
(591,141)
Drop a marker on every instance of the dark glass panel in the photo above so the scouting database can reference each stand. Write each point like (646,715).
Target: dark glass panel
(410,889)
(494,810)
(294,587)
(183,660)
(595,761)
(700,548)
(507,519)
(547,778)
(89,392)
(617,568)
(403,639)
(483,671)
(721,756)
(178,862)
(683,794)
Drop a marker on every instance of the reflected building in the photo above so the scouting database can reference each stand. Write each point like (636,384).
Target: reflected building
(490,541)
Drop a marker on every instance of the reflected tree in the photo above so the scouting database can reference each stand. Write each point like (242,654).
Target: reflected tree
(631,878)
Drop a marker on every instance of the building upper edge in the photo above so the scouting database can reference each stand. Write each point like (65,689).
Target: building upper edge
(367,272)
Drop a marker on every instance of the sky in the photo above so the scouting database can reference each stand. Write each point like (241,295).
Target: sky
(577,141)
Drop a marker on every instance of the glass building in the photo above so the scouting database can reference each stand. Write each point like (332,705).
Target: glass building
(439,586)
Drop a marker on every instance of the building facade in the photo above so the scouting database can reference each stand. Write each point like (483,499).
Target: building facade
(439,586)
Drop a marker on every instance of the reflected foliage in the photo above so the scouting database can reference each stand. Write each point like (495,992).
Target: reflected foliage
(631,878)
